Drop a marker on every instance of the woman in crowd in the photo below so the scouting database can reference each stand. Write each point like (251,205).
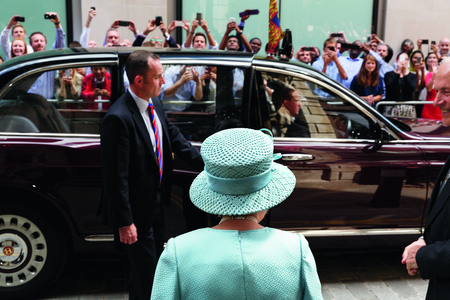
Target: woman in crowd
(429,110)
(238,258)
(18,47)
(417,66)
(68,86)
(367,83)
(400,86)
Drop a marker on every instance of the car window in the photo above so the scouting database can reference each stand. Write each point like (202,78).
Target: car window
(304,109)
(203,99)
(66,100)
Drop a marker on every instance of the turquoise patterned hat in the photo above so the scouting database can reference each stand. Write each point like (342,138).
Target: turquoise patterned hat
(240,176)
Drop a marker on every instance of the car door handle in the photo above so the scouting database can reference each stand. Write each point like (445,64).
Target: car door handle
(291,157)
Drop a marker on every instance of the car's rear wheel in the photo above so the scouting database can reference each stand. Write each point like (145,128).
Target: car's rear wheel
(33,251)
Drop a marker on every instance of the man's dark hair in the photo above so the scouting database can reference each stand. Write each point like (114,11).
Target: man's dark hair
(74,44)
(281,92)
(200,34)
(137,64)
(232,36)
(37,32)
(17,25)
(255,38)
(329,41)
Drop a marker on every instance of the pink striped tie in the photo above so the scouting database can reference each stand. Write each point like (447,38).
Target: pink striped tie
(158,141)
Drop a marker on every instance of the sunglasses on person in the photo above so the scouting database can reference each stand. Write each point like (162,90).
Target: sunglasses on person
(156,40)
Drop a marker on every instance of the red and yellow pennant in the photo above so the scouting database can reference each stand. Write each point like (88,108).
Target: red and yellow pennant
(275,32)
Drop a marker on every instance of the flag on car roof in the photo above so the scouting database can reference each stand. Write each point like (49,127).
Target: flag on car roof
(275,32)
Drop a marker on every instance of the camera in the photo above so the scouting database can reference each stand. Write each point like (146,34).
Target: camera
(286,46)
(433,42)
(199,18)
(338,35)
(424,42)
(124,23)
(92,7)
(48,16)
(332,48)
(158,20)
(19,19)
(67,73)
(308,49)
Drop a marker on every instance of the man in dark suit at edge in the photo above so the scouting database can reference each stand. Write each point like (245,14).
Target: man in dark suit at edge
(134,187)
(430,255)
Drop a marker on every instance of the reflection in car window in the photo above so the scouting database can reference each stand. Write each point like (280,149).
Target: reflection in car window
(77,102)
(300,108)
(203,99)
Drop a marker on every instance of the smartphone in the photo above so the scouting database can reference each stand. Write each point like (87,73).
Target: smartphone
(158,20)
(99,85)
(433,42)
(419,60)
(67,73)
(369,38)
(19,19)
(199,18)
(336,35)
(232,19)
(188,69)
(332,48)
(124,23)
(308,49)
(92,7)
(424,42)
(350,46)
(249,12)
(48,17)
(402,58)
(179,23)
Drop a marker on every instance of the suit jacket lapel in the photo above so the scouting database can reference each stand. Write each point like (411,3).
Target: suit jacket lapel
(438,200)
(140,125)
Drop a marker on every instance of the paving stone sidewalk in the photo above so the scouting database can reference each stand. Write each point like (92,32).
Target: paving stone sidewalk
(376,275)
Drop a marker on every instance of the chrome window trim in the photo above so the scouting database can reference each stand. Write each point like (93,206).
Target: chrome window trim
(309,233)
(356,232)
(310,77)
(48,134)
(207,61)
(55,67)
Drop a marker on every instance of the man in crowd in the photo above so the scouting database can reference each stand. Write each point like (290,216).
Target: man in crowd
(96,86)
(200,38)
(289,120)
(182,83)
(156,41)
(17,30)
(112,37)
(45,84)
(231,42)
(444,47)
(329,62)
(351,63)
(137,141)
(303,55)
(430,255)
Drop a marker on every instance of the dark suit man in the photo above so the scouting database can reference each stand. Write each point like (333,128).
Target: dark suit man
(430,255)
(133,190)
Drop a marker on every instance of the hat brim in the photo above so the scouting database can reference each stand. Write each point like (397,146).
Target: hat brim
(278,189)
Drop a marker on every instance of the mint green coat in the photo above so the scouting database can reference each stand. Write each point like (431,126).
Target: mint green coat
(214,264)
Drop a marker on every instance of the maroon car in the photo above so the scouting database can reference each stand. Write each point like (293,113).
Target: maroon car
(362,179)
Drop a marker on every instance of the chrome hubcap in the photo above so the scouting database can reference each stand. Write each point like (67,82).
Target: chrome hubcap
(23,250)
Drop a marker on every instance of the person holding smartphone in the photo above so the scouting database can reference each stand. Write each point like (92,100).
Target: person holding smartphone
(199,40)
(400,86)
(68,86)
(96,85)
(17,30)
(303,55)
(417,66)
(329,62)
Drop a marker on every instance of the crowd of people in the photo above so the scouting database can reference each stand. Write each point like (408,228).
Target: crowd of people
(369,75)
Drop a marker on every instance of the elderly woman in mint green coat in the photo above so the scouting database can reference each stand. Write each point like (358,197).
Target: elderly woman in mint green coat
(238,258)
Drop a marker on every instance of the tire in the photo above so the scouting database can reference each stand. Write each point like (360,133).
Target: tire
(33,251)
